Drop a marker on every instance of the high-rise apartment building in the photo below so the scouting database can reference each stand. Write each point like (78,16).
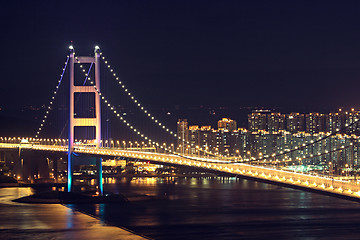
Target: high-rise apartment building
(275,122)
(334,122)
(240,142)
(227,124)
(205,137)
(193,133)
(220,141)
(295,122)
(257,121)
(315,122)
(350,120)
(183,133)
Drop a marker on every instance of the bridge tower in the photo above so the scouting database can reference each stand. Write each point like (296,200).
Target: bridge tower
(75,159)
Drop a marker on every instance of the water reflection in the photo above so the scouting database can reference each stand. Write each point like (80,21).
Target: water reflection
(8,194)
(226,208)
(99,211)
(69,217)
(50,221)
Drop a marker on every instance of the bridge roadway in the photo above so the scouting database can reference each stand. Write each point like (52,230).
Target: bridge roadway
(349,189)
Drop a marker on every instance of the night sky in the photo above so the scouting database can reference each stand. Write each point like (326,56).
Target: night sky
(224,53)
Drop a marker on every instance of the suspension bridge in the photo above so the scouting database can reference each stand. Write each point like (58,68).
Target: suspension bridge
(90,149)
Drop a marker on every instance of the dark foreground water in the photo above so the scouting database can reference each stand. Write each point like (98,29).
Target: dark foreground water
(228,208)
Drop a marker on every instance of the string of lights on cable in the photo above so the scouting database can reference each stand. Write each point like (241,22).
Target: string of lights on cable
(136,131)
(146,112)
(300,147)
(86,78)
(48,108)
(156,121)
(113,109)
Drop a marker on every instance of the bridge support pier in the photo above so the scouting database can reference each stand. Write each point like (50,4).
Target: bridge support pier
(70,172)
(99,175)
(83,160)
(32,167)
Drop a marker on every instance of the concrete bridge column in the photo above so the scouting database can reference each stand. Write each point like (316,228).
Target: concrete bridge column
(99,174)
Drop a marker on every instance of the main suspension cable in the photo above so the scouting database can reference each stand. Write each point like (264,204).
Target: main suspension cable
(48,108)
(77,99)
(148,114)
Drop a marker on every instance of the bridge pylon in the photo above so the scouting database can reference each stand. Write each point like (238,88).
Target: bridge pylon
(74,121)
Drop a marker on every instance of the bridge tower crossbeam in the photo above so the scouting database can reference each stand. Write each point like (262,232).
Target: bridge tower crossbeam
(74,121)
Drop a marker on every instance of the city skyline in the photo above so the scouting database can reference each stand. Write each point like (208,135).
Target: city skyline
(197,115)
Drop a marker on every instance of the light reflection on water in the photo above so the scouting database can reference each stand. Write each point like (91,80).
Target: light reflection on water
(226,208)
(99,211)
(50,221)
(8,194)
(69,218)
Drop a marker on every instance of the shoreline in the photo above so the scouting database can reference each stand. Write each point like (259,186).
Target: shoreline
(52,221)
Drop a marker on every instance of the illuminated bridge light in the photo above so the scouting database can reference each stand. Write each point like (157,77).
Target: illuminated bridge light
(311,181)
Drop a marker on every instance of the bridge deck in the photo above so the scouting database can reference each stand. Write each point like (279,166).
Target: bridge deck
(314,182)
